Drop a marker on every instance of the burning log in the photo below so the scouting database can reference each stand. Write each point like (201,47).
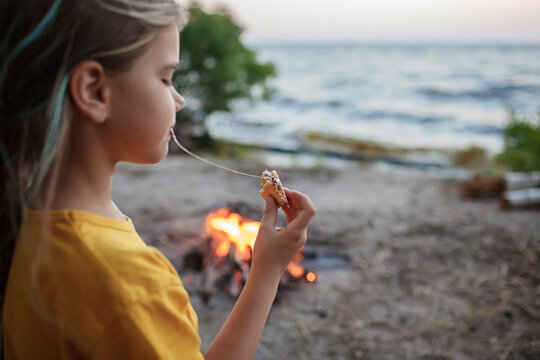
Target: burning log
(227,259)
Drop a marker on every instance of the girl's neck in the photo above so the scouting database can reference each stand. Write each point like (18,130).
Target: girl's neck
(88,189)
(85,181)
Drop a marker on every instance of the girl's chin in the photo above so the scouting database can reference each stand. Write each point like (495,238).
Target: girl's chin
(157,156)
(153,155)
(163,154)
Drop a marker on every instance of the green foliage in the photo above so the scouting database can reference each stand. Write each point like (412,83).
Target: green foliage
(521,144)
(216,67)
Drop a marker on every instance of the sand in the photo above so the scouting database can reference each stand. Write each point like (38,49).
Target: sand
(407,269)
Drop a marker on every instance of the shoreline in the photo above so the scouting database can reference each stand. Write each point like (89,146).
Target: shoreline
(309,157)
(321,150)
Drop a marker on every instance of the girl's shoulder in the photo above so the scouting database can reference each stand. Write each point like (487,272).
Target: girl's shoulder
(101,253)
(92,272)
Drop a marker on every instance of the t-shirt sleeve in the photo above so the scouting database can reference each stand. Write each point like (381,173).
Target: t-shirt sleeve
(163,326)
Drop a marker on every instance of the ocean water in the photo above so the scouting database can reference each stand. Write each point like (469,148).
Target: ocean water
(437,96)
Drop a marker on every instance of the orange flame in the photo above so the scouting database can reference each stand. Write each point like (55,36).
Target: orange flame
(295,270)
(228,228)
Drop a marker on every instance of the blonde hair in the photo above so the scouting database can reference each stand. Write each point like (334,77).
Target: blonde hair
(40,43)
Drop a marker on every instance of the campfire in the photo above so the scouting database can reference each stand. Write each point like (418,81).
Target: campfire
(226,261)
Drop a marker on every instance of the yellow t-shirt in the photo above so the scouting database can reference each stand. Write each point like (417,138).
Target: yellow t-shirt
(93,289)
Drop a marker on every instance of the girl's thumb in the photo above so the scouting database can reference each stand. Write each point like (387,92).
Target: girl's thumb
(270,213)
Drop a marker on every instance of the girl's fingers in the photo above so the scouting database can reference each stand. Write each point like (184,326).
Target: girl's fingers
(298,200)
(302,220)
(270,213)
(302,208)
(289,212)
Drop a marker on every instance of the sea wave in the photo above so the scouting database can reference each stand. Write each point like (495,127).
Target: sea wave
(412,96)
(400,116)
(281,100)
(497,92)
(482,129)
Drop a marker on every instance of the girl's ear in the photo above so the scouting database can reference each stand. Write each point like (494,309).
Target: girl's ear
(89,90)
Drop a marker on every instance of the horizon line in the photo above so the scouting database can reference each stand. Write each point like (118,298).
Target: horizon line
(525,43)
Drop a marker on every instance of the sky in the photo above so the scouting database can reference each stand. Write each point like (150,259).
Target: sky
(453,21)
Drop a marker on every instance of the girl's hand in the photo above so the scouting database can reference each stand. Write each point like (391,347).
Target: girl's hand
(274,248)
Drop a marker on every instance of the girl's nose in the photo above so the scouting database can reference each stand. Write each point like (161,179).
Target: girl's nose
(179,101)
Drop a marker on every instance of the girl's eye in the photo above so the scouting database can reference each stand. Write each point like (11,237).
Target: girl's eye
(168,82)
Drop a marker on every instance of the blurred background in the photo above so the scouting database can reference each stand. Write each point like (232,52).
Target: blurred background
(418,81)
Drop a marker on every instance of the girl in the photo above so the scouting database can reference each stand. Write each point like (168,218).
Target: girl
(83,85)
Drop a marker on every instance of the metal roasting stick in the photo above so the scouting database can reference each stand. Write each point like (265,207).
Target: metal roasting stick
(173,136)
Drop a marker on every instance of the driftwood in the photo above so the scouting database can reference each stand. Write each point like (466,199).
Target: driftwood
(522,190)
(483,187)
(521,198)
(503,187)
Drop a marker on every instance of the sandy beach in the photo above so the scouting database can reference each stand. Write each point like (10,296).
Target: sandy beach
(407,269)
